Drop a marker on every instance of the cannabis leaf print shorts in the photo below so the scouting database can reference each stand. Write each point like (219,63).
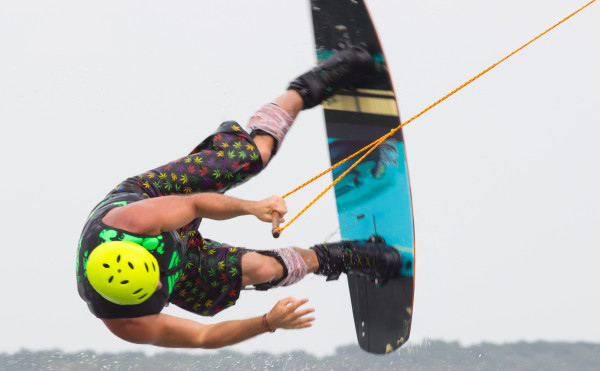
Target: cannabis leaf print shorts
(222,161)
(212,278)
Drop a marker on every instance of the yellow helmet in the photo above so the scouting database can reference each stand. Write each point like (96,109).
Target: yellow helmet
(123,272)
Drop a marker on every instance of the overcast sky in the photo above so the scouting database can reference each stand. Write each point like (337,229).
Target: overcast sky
(504,174)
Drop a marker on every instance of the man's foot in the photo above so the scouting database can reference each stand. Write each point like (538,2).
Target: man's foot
(341,69)
(372,259)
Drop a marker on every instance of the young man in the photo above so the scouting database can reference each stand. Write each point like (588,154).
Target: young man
(140,248)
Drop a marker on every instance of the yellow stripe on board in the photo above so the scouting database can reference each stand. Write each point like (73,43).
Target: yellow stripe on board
(384,93)
(372,105)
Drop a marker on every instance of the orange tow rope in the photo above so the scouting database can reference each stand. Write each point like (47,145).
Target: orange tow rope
(369,148)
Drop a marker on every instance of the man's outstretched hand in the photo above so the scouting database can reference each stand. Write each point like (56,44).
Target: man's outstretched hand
(285,314)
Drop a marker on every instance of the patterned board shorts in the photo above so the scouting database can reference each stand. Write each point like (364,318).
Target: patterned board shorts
(212,278)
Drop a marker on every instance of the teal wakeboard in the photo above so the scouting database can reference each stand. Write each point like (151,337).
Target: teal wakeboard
(374,199)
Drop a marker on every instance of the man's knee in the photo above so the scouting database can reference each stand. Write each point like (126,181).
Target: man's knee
(265,144)
(258,268)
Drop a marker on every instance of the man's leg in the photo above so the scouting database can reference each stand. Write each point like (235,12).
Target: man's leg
(226,158)
(258,268)
(216,272)
(306,91)
(231,156)
(283,267)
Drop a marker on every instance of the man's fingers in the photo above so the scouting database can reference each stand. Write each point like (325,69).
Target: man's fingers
(304,312)
(303,322)
(305,319)
(287,301)
(297,303)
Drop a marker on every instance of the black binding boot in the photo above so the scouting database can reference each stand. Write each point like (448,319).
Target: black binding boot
(372,259)
(341,69)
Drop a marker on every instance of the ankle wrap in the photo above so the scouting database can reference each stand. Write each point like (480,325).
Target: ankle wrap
(294,267)
(272,120)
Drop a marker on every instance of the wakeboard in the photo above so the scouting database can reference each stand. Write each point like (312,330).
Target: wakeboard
(374,199)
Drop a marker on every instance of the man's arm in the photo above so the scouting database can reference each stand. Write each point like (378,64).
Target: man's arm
(173,332)
(160,214)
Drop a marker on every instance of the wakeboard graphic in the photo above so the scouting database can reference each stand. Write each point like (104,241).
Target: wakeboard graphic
(374,199)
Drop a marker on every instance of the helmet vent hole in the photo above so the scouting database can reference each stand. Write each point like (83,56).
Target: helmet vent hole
(143,296)
(125,282)
(106,265)
(130,265)
(118,258)
(146,265)
(153,267)
(110,279)
(137,291)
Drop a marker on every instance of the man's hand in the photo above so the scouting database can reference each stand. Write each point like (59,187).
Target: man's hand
(264,209)
(285,314)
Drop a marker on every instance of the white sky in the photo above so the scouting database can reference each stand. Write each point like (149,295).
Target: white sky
(504,174)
